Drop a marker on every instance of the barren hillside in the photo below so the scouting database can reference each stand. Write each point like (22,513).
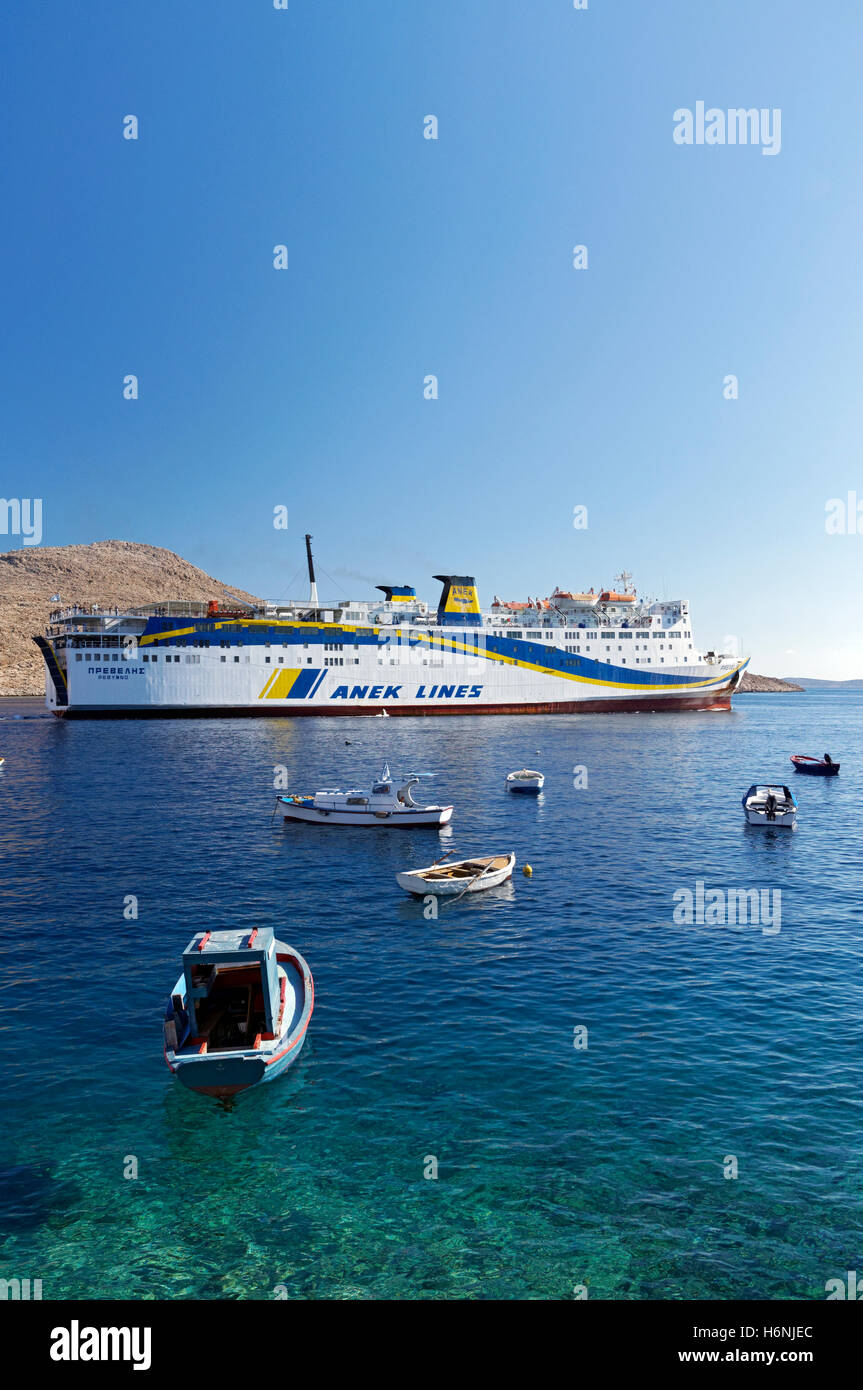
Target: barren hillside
(106,572)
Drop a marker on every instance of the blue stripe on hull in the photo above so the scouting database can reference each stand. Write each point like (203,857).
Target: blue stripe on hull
(302,686)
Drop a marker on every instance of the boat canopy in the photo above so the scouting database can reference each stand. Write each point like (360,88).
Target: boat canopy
(252,950)
(770,789)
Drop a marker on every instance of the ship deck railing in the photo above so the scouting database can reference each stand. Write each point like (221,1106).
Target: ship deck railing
(171,608)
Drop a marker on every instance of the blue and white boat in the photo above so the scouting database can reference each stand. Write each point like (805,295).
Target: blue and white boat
(239,1012)
(770,805)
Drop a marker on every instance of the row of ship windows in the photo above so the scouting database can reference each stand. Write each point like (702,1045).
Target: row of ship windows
(594,635)
(639,660)
(328,661)
(131,643)
(115,656)
(470,638)
(473,639)
(636,648)
(194,660)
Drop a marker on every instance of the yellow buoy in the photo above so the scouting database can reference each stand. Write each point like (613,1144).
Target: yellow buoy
(527,871)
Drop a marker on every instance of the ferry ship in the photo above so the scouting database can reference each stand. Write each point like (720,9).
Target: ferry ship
(571,653)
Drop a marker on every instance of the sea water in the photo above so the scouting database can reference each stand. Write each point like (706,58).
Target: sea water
(548,1088)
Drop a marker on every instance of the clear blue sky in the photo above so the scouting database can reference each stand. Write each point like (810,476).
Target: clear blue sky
(407,256)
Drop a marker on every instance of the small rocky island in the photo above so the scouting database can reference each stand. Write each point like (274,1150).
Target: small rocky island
(766,685)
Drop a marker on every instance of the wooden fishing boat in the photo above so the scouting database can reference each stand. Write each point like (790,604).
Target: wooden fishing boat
(770,805)
(525,781)
(239,1012)
(384,803)
(815,767)
(464,876)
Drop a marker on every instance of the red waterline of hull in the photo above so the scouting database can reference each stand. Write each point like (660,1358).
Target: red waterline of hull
(635,705)
(219,1092)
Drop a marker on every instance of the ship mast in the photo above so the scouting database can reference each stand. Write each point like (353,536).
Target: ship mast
(313,588)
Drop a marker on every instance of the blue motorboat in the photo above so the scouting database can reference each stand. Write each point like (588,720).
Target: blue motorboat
(239,1012)
(770,804)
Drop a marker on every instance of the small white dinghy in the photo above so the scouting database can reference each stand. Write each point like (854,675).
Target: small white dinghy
(384,803)
(525,781)
(464,876)
(768,805)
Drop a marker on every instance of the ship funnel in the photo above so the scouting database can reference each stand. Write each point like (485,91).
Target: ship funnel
(459,603)
(397,593)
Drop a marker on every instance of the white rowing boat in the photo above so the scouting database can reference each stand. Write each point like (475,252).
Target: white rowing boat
(525,780)
(464,876)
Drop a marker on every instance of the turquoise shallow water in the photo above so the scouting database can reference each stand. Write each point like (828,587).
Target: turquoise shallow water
(450,1038)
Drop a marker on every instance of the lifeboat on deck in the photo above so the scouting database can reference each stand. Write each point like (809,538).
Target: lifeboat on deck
(565,600)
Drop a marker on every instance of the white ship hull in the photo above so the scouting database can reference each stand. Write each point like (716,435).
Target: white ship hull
(255,686)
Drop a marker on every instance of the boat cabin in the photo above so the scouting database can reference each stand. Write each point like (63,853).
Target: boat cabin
(385,795)
(234,988)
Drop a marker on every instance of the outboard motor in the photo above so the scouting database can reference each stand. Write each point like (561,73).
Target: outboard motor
(771,807)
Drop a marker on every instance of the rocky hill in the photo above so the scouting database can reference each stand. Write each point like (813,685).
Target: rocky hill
(766,684)
(107,572)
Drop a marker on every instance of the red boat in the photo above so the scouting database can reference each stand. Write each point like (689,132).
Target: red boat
(816,767)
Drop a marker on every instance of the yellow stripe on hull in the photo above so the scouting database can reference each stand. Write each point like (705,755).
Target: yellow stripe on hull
(278,687)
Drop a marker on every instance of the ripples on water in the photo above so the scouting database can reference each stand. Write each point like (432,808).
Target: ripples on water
(451,1038)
